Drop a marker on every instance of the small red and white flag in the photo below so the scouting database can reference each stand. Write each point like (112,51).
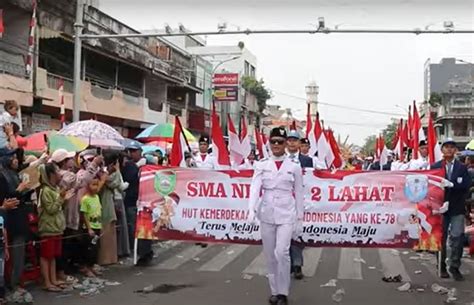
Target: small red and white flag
(417,131)
(313,143)
(219,149)
(383,152)
(245,138)
(180,145)
(401,139)
(62,113)
(31,40)
(324,148)
(338,159)
(434,149)
(261,143)
(235,147)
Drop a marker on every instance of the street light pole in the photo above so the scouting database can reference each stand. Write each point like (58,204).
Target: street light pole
(78,26)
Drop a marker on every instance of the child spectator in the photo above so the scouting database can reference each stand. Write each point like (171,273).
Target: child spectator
(9,116)
(91,215)
(51,225)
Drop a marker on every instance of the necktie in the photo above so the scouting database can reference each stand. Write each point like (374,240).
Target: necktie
(450,170)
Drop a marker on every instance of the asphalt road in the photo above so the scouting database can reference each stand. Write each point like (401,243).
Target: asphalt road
(234,274)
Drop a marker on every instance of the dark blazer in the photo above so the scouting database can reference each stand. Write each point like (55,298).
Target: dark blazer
(457,194)
(305,161)
(376,166)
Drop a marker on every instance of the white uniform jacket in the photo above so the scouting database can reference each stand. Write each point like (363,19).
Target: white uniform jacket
(420,163)
(282,192)
(209,162)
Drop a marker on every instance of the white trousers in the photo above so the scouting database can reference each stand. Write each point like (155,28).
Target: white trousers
(276,240)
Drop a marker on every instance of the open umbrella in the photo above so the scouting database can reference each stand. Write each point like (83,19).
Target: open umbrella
(470,145)
(94,133)
(37,142)
(162,132)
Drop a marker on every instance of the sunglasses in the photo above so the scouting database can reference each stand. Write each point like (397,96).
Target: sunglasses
(277,142)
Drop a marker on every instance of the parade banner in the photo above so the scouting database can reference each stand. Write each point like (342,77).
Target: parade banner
(342,209)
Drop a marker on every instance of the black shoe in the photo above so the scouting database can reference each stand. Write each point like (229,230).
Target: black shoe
(273,300)
(457,276)
(444,274)
(282,299)
(298,274)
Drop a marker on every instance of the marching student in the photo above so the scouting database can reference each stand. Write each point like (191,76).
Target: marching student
(293,150)
(305,145)
(203,158)
(422,162)
(454,218)
(402,163)
(249,162)
(280,211)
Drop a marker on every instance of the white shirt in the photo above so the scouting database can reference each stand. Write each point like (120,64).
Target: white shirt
(399,166)
(420,163)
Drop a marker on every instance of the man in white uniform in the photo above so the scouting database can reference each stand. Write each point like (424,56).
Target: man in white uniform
(402,163)
(203,158)
(422,162)
(280,211)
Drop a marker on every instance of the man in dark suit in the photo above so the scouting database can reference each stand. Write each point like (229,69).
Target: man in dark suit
(453,219)
(293,150)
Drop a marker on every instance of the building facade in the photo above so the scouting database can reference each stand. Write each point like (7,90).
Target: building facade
(454,113)
(127,83)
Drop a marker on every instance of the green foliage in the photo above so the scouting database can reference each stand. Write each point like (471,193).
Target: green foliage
(389,133)
(257,88)
(369,145)
(435,99)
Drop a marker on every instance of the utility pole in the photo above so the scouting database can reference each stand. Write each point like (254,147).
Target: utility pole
(78,26)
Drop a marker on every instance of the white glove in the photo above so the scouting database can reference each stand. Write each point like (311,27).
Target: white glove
(251,217)
(124,186)
(298,229)
(443,209)
(446,183)
(142,162)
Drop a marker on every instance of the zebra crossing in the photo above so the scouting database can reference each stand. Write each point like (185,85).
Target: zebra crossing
(351,263)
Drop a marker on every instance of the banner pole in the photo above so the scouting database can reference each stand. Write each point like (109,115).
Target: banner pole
(135,251)
(439,264)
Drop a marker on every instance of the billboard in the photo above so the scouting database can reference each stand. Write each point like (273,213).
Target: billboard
(226,87)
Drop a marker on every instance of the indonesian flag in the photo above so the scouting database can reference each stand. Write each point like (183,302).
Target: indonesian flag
(417,131)
(235,147)
(2,29)
(401,139)
(410,128)
(261,144)
(31,40)
(62,113)
(219,149)
(313,143)
(245,138)
(180,145)
(382,152)
(434,149)
(338,160)
(324,148)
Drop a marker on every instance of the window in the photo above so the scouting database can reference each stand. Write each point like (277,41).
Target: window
(246,68)
(252,71)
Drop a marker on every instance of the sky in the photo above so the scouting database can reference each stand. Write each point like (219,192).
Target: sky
(379,72)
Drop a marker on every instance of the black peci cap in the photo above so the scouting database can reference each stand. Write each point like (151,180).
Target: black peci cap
(304,141)
(278,132)
(204,138)
(423,143)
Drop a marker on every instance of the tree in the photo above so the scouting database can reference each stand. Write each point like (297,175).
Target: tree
(390,132)
(257,88)
(435,99)
(369,145)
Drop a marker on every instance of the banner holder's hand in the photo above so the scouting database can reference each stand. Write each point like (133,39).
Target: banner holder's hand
(251,217)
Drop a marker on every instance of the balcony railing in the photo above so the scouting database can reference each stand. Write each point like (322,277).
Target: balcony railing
(54,80)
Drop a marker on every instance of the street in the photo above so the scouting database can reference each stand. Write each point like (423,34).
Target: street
(183,273)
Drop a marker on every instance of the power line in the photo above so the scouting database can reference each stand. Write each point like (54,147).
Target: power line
(342,106)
